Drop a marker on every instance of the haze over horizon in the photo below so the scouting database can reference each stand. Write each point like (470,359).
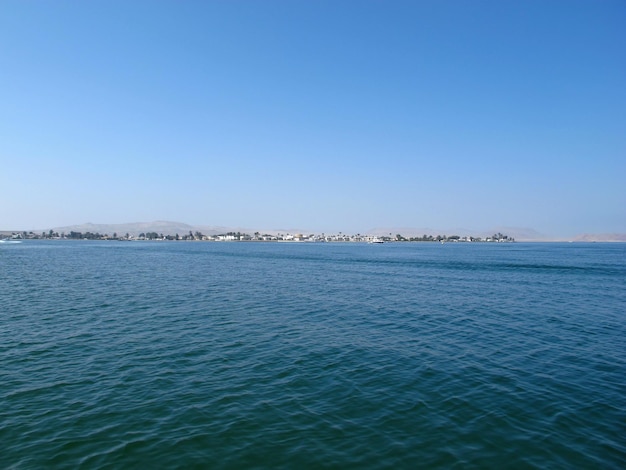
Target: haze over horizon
(325,115)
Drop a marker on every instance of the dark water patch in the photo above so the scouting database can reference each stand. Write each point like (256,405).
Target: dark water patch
(345,356)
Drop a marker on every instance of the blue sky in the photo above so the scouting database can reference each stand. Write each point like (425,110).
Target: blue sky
(324,115)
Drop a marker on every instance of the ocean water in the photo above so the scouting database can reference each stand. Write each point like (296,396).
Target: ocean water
(303,355)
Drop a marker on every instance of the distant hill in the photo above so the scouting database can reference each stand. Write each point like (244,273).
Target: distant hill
(159,226)
(601,237)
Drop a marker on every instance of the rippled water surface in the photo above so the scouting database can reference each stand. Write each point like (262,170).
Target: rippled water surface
(297,355)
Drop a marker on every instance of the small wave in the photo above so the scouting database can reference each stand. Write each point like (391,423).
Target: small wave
(272,356)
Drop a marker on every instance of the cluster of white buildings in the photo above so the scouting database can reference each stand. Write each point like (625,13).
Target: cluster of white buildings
(257,236)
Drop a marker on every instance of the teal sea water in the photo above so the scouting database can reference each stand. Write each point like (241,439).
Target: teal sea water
(303,355)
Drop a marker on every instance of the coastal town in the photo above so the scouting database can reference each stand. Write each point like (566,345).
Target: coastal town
(255,237)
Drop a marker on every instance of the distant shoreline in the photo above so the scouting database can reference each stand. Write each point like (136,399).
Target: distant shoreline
(256,237)
(189,234)
(12,240)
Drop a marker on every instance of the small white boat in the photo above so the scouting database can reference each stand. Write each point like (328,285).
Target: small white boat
(376,240)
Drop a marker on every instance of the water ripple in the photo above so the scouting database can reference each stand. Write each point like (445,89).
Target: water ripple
(344,356)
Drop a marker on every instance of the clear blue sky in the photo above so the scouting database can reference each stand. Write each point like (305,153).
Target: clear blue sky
(325,115)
